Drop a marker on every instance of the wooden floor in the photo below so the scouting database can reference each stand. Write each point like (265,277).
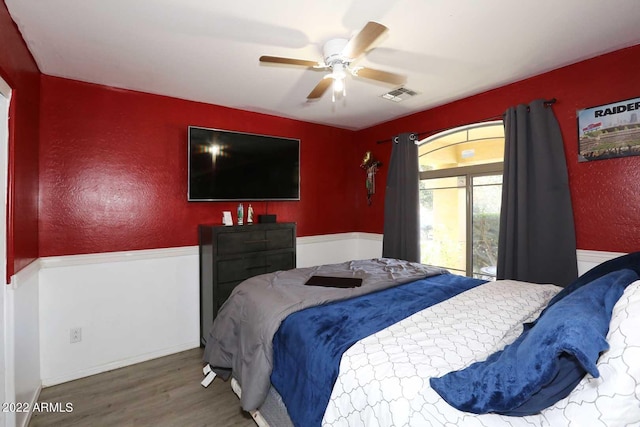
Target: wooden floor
(160,392)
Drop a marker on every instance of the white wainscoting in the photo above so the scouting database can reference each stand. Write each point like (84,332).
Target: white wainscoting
(22,342)
(335,248)
(6,419)
(139,305)
(589,259)
(131,307)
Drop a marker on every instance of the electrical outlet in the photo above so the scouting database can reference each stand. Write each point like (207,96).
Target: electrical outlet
(75,335)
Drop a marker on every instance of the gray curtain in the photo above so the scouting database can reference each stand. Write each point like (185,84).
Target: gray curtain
(537,240)
(401,223)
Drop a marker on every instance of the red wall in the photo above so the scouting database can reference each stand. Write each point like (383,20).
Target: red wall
(113,170)
(20,71)
(112,163)
(605,193)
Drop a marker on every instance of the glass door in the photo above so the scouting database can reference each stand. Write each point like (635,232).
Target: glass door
(457,210)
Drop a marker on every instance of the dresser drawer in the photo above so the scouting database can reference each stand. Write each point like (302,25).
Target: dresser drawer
(280,239)
(237,243)
(238,269)
(280,261)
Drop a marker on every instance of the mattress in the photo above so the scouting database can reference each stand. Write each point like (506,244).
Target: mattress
(240,339)
(272,413)
(385,378)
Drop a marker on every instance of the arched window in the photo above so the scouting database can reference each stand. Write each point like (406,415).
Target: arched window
(460,195)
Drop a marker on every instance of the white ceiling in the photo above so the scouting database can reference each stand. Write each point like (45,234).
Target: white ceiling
(208,50)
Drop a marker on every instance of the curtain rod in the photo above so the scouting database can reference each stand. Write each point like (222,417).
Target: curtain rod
(547,103)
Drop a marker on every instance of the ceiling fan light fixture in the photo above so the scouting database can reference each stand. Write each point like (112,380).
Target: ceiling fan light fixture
(338,74)
(332,51)
(339,88)
(339,53)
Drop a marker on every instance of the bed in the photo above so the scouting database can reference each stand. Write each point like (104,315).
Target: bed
(414,345)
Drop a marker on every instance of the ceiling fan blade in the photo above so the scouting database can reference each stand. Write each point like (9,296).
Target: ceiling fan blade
(289,61)
(382,76)
(320,88)
(364,39)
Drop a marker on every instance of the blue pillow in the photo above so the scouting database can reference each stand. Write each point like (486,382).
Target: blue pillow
(630,261)
(547,361)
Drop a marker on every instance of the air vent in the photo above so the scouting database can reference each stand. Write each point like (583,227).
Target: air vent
(399,94)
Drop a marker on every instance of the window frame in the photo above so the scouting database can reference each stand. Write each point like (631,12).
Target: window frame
(469,172)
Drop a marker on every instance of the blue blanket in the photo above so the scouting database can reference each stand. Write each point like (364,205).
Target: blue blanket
(547,361)
(309,344)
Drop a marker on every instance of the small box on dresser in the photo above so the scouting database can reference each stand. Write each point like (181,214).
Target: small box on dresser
(232,254)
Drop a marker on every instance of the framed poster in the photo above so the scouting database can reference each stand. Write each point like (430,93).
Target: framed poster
(609,131)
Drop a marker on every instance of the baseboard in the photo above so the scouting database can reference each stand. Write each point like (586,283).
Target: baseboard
(34,399)
(48,382)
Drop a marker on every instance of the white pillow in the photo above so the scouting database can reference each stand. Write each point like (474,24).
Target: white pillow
(613,399)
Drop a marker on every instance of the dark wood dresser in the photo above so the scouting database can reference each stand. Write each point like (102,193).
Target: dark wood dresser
(231,254)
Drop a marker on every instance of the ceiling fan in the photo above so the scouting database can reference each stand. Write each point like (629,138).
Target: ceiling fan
(339,54)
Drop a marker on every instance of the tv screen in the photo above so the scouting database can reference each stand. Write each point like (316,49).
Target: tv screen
(225,165)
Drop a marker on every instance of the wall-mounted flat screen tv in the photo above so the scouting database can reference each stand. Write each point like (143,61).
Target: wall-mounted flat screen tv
(226,165)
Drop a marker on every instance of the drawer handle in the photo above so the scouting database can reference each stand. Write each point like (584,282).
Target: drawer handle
(256,241)
(258,266)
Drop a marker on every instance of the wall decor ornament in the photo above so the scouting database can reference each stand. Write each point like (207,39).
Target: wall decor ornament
(371,166)
(609,131)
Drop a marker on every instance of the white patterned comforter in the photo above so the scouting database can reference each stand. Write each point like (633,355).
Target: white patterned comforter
(384,378)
